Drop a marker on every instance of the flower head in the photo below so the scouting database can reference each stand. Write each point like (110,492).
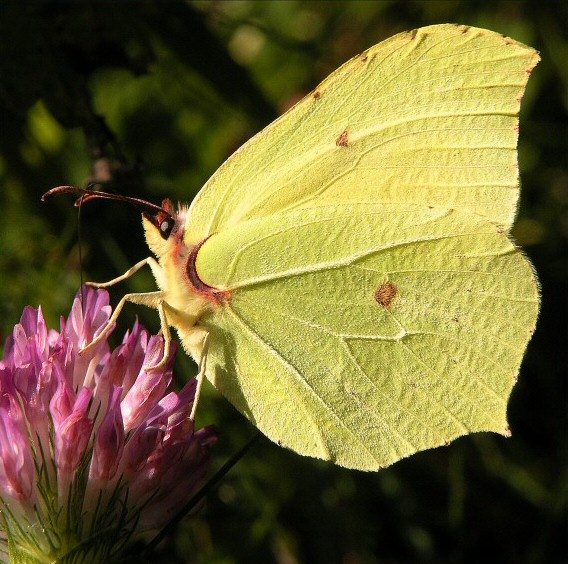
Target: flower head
(90,440)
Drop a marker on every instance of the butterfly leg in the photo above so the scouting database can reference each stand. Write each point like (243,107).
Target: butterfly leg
(200,376)
(150,261)
(150,299)
(165,330)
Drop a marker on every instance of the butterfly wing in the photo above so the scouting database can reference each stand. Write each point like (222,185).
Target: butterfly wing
(428,116)
(380,331)
(376,305)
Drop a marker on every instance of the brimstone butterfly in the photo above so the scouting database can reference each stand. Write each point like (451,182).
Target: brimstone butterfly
(346,278)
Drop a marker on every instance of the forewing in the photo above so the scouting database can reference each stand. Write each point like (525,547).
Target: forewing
(428,116)
(363,334)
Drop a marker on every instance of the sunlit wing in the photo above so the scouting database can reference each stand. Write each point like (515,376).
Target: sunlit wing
(364,333)
(427,117)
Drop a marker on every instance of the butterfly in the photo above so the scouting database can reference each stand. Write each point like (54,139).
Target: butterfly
(346,279)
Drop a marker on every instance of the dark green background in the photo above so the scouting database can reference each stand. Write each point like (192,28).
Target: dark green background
(163,93)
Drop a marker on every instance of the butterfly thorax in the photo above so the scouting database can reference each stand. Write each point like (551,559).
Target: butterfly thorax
(174,257)
(186,297)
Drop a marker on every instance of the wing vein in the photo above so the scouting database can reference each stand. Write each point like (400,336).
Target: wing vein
(302,382)
(350,260)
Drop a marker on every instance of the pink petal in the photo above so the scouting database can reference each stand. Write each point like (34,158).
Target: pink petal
(109,442)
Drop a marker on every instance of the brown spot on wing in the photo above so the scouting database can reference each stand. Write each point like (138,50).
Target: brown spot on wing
(343,139)
(317,95)
(385,294)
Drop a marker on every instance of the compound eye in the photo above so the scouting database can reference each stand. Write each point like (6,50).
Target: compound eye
(166,226)
(163,221)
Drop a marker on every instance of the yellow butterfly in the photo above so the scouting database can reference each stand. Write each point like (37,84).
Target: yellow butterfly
(346,278)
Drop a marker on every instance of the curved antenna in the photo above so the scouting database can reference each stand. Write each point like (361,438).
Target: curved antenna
(160,217)
(87,194)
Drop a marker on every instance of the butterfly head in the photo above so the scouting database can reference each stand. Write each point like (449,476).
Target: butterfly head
(163,225)
(164,229)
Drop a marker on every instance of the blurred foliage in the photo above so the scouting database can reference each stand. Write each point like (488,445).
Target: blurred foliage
(151,97)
